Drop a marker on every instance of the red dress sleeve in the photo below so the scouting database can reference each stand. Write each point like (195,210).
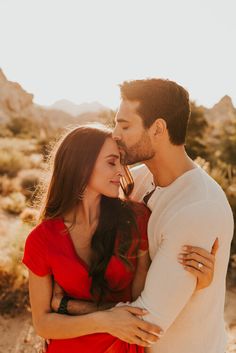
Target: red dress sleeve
(36,252)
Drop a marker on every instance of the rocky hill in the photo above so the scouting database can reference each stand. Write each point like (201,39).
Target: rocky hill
(221,112)
(15,102)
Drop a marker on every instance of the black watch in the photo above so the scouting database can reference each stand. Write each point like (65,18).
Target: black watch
(63,305)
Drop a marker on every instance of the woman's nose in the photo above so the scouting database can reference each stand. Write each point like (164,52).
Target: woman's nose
(121,171)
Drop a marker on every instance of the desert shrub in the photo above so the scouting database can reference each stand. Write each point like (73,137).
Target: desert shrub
(29,180)
(13,300)
(11,162)
(29,216)
(23,127)
(8,185)
(26,146)
(36,161)
(14,297)
(14,203)
(5,132)
(225,175)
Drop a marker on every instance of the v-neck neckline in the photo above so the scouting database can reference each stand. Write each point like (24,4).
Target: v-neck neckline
(68,236)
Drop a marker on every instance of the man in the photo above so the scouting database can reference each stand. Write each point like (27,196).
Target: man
(188,207)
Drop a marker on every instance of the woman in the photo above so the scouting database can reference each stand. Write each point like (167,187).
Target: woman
(94,245)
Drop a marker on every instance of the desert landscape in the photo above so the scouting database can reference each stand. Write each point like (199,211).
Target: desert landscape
(27,132)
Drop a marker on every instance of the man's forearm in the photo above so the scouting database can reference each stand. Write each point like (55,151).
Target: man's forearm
(81,307)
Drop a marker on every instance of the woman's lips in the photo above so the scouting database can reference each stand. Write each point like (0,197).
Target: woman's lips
(115,182)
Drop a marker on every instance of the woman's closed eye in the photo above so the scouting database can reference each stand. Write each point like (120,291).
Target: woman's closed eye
(112,163)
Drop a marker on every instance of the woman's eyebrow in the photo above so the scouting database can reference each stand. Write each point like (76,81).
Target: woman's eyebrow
(113,155)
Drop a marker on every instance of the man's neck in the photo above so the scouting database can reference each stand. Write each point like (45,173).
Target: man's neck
(169,164)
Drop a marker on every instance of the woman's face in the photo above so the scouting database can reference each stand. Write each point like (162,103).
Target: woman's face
(105,179)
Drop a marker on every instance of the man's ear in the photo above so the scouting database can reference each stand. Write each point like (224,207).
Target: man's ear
(159,127)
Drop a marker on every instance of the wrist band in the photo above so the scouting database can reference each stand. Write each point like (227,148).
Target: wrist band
(63,305)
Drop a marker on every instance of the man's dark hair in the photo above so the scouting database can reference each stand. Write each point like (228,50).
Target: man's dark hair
(160,98)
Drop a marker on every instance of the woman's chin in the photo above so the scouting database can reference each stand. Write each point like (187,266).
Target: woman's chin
(112,194)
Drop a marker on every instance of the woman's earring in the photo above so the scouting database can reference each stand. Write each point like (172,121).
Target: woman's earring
(80,196)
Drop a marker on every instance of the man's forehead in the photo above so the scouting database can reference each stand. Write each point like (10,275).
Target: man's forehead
(127,110)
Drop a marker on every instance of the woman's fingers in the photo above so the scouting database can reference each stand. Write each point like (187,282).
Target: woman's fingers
(193,259)
(125,323)
(201,252)
(150,328)
(136,311)
(215,247)
(203,274)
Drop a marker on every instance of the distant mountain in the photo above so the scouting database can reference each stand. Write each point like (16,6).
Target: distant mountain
(221,112)
(77,109)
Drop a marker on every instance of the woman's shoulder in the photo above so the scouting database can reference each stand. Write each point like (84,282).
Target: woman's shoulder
(45,228)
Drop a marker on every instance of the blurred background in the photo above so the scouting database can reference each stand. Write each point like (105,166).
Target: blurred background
(60,64)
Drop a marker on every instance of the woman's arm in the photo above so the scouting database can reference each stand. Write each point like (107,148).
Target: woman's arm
(120,322)
(52,325)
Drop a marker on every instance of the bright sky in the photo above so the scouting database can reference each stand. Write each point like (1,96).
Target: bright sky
(80,50)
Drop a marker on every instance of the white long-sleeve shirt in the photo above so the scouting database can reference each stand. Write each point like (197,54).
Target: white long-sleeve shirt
(192,210)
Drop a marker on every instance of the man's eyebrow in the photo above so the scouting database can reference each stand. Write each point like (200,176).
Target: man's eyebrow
(113,155)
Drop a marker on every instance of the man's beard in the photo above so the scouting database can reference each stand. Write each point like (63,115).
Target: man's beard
(139,152)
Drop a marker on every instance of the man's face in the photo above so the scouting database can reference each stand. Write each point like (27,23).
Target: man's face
(132,138)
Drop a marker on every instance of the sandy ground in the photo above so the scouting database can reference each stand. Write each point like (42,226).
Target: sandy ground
(17,334)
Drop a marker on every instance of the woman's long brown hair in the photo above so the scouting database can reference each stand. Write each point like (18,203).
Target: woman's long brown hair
(72,163)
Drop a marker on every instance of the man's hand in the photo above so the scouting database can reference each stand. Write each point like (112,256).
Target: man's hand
(57,295)
(200,263)
(123,322)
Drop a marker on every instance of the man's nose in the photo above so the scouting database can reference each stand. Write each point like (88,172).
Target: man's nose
(115,134)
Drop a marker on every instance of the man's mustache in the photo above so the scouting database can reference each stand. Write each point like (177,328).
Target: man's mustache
(120,144)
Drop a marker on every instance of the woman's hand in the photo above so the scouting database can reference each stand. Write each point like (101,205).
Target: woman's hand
(200,263)
(123,322)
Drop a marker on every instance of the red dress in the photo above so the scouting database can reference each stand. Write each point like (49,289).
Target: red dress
(50,250)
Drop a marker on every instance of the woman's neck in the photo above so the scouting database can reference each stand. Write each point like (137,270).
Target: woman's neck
(88,210)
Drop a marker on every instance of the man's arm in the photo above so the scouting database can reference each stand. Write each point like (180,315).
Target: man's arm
(75,306)
(168,286)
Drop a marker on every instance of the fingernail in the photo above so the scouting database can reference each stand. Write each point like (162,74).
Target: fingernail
(180,257)
(185,248)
